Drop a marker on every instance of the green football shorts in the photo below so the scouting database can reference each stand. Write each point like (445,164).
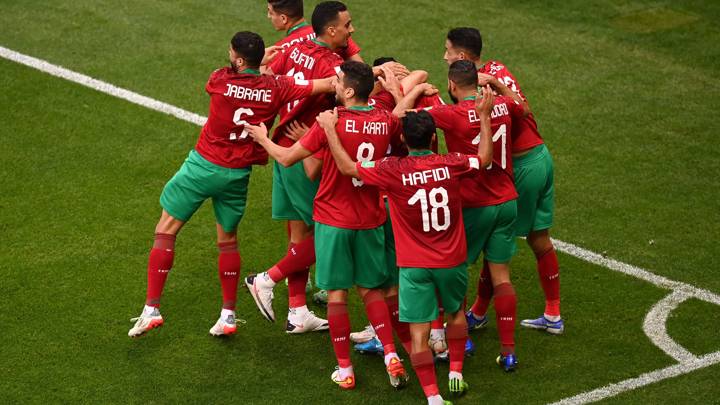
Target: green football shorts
(420,287)
(349,257)
(293,193)
(197,180)
(491,230)
(534,184)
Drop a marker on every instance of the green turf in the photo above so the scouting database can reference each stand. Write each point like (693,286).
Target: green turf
(623,92)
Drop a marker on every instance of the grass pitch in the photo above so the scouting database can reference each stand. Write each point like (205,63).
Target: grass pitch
(624,93)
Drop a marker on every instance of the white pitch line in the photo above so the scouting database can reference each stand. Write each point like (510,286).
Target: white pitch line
(664,307)
(656,329)
(641,381)
(103,87)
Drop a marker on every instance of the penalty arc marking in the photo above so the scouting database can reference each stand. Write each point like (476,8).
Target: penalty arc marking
(653,326)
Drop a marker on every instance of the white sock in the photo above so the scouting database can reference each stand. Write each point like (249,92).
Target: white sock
(265,280)
(226,312)
(435,400)
(148,310)
(298,310)
(437,334)
(552,318)
(390,356)
(345,372)
(455,374)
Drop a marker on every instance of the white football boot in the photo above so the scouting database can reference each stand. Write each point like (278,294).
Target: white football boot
(148,319)
(302,321)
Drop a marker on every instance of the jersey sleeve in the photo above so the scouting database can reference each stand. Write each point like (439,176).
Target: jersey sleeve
(278,63)
(212,81)
(315,139)
(293,89)
(373,173)
(352,49)
(442,115)
(328,67)
(516,110)
(464,165)
(503,74)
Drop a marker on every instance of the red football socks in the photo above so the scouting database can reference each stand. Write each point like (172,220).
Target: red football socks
(505,308)
(379,317)
(229,263)
(299,257)
(296,288)
(159,265)
(424,367)
(402,329)
(549,273)
(456,336)
(485,292)
(339,323)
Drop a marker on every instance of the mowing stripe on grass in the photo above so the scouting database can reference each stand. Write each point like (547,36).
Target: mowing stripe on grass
(654,325)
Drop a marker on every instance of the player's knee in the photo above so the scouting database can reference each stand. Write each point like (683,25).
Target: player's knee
(168,224)
(540,242)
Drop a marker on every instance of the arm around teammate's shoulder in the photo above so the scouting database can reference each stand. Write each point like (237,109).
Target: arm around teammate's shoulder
(484,106)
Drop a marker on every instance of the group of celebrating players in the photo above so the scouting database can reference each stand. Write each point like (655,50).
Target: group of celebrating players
(366,196)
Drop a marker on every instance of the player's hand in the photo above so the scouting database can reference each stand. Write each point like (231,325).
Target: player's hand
(485,79)
(484,102)
(270,53)
(328,119)
(389,81)
(398,69)
(296,130)
(430,90)
(257,132)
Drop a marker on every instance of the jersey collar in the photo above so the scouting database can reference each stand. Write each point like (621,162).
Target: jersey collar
(321,43)
(297,27)
(361,108)
(250,72)
(420,152)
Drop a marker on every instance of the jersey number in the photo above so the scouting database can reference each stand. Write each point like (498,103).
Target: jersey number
(501,134)
(365,153)
(238,120)
(298,76)
(438,199)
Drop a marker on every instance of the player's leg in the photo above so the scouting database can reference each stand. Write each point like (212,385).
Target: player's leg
(229,202)
(419,306)
(391,286)
(183,194)
(334,273)
(535,217)
(499,250)
(478,224)
(370,275)
(451,285)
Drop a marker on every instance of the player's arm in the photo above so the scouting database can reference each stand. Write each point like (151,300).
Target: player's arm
(356,58)
(503,90)
(313,167)
(327,121)
(484,106)
(400,70)
(411,97)
(271,53)
(284,156)
(324,85)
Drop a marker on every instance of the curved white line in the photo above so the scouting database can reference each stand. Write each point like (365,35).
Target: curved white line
(656,329)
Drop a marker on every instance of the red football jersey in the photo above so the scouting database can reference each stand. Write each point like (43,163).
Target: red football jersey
(425,205)
(383,100)
(343,201)
(235,100)
(306,60)
(461,125)
(303,32)
(525,133)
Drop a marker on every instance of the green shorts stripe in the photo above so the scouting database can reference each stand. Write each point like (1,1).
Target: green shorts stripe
(536,192)
(491,230)
(197,180)
(349,257)
(293,193)
(420,289)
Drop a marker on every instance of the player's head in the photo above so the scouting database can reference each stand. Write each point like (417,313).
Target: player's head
(355,82)
(383,60)
(246,50)
(418,129)
(462,78)
(332,23)
(463,43)
(283,14)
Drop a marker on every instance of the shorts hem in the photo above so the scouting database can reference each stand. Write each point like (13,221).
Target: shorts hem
(173,214)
